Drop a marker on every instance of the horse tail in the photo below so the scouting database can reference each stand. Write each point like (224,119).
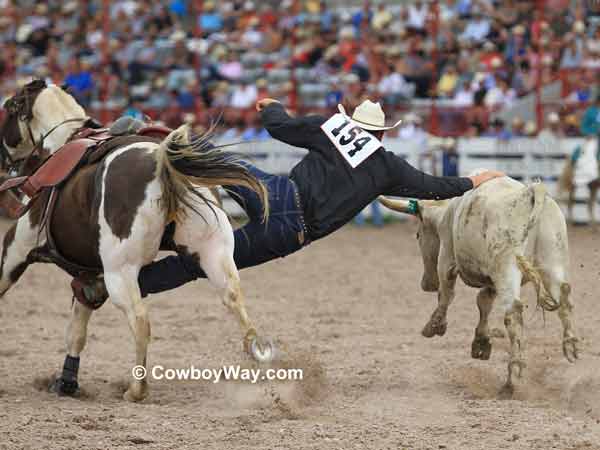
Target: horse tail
(185,163)
(566,180)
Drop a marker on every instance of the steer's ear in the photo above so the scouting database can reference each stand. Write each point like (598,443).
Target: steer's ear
(404,206)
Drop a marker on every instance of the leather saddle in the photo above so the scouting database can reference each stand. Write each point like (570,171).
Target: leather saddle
(88,146)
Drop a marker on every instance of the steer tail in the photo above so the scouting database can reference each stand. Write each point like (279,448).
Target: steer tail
(537,193)
(185,164)
(531,273)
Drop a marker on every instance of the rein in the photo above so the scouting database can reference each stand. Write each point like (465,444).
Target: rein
(39,146)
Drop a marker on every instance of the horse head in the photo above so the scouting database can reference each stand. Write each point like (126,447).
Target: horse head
(40,119)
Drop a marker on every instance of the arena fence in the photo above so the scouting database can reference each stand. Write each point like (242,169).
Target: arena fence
(524,159)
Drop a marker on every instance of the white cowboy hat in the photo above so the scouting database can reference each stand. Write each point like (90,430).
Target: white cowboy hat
(368,116)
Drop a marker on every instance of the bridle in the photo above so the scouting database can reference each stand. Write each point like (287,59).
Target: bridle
(20,107)
(17,165)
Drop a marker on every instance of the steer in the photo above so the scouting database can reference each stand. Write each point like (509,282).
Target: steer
(497,238)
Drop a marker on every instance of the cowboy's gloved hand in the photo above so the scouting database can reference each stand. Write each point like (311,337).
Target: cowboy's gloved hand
(262,104)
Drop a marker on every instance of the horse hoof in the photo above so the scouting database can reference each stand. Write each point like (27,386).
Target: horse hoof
(262,350)
(65,388)
(134,397)
(481,348)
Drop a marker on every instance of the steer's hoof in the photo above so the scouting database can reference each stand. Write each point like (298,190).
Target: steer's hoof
(64,388)
(516,367)
(434,327)
(481,348)
(571,349)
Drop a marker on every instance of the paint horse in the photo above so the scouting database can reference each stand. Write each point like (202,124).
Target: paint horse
(111,216)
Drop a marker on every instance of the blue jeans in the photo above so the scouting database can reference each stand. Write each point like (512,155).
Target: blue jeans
(376,216)
(255,243)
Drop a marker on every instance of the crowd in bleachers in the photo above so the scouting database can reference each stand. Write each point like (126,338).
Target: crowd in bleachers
(174,63)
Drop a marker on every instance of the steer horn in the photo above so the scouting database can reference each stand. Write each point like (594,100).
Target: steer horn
(405,206)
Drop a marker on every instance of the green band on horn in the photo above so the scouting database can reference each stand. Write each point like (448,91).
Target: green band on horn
(413,207)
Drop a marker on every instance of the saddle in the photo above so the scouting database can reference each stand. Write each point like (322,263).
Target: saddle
(88,146)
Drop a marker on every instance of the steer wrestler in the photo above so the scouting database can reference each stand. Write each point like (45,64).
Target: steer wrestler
(322,193)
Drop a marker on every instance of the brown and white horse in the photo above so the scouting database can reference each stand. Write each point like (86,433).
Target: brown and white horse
(112,215)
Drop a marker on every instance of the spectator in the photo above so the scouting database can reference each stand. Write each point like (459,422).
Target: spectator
(550,135)
(524,79)
(572,56)
(416,16)
(255,132)
(411,129)
(382,18)
(393,87)
(417,69)
(134,110)
(530,129)
(447,84)
(572,127)
(477,28)
(582,92)
(376,216)
(244,95)
(590,122)
(210,20)
(517,127)
(502,95)
(450,158)
(235,133)
(516,47)
(497,130)
(80,81)
(230,69)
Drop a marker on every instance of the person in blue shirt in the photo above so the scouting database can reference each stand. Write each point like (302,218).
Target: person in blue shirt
(80,82)
(255,132)
(178,8)
(590,122)
(210,20)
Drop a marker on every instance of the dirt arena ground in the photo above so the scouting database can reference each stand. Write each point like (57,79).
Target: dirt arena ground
(349,311)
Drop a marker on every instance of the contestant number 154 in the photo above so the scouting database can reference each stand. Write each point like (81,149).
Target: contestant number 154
(350,137)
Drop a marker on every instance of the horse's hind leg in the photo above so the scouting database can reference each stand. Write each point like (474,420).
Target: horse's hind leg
(19,240)
(124,292)
(221,270)
(214,253)
(76,338)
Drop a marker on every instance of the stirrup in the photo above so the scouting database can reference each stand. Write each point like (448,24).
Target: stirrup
(91,294)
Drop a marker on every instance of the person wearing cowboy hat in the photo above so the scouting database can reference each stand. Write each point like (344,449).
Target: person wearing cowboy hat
(321,194)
